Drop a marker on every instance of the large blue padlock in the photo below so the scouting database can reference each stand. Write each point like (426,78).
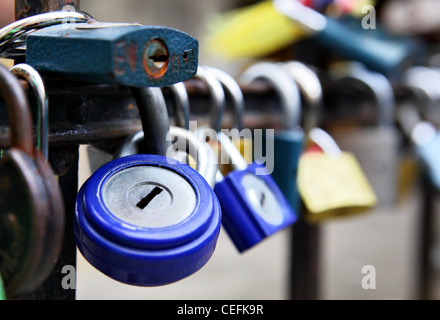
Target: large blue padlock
(287,142)
(148,220)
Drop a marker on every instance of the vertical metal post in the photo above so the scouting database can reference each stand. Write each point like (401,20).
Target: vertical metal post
(64,161)
(26,8)
(426,237)
(304,261)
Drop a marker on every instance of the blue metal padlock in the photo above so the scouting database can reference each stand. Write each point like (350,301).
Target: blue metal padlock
(288,141)
(148,220)
(125,54)
(253,207)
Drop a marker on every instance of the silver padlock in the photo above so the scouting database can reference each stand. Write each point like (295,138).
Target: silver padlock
(376,146)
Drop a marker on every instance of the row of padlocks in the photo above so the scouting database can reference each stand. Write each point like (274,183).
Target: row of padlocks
(152,215)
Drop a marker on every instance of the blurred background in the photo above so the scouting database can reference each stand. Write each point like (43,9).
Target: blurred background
(399,240)
(387,238)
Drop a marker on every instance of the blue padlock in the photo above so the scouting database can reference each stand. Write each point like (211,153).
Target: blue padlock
(149,220)
(253,207)
(115,53)
(289,140)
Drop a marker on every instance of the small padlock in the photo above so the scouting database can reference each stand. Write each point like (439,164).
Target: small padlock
(55,216)
(289,140)
(24,205)
(253,207)
(147,220)
(376,146)
(331,183)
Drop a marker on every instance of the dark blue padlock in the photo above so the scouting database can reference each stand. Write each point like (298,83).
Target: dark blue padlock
(288,141)
(253,207)
(117,53)
(147,220)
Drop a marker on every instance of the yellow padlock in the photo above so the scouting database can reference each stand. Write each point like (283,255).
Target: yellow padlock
(332,183)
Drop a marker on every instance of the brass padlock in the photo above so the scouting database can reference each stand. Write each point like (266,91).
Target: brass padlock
(331,182)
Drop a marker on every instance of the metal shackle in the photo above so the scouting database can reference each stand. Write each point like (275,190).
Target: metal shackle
(181,104)
(311,90)
(217,96)
(36,82)
(183,139)
(19,115)
(377,83)
(286,88)
(233,90)
(422,83)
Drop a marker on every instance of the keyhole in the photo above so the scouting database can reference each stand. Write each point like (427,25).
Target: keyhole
(149,197)
(159,60)
(262,199)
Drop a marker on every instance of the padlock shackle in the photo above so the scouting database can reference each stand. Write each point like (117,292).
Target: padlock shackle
(34,79)
(233,90)
(201,151)
(283,84)
(217,95)
(235,158)
(19,114)
(311,91)
(206,161)
(422,82)
(377,83)
(154,117)
(181,105)
(12,35)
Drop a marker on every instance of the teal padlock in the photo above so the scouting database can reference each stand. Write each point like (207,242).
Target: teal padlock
(114,53)
(283,146)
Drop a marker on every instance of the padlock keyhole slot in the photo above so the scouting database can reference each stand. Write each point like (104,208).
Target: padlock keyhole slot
(143,203)
(262,199)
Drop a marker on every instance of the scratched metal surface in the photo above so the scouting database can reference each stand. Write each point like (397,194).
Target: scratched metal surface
(115,55)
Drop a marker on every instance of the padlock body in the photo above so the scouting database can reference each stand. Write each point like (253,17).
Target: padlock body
(377,150)
(332,187)
(288,145)
(23,223)
(151,252)
(244,223)
(118,55)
